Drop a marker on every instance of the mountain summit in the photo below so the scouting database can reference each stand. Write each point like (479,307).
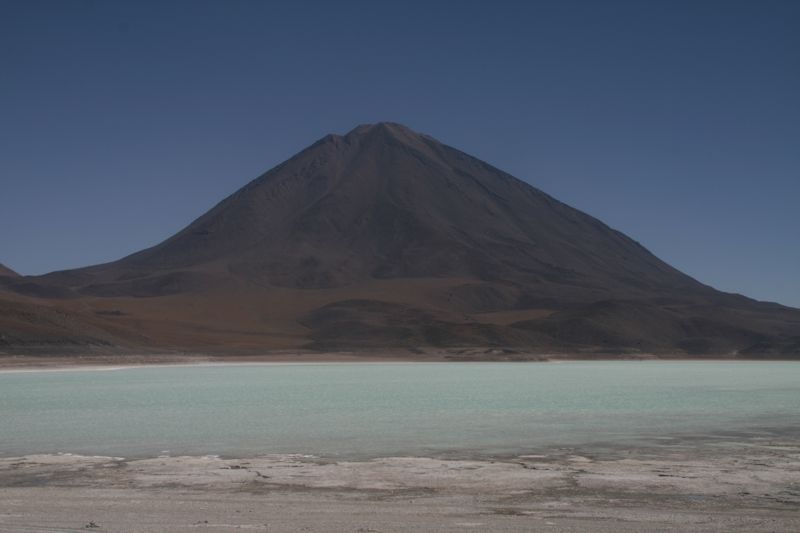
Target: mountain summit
(386,237)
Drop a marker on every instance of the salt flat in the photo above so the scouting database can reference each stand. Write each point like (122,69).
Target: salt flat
(715,488)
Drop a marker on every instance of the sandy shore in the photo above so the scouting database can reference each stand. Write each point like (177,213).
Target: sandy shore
(94,361)
(746,487)
(10,362)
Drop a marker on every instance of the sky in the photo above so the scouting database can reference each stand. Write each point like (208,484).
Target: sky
(676,122)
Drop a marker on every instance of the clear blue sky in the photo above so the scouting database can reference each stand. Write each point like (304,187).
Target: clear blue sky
(675,122)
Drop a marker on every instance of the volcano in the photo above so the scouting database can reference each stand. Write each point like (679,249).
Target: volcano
(386,238)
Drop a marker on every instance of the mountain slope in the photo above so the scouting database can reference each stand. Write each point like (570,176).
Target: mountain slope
(384,202)
(385,237)
(5,271)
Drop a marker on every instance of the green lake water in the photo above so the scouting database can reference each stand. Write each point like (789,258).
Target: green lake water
(383,409)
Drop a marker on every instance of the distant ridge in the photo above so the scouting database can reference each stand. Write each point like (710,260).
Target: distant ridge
(384,237)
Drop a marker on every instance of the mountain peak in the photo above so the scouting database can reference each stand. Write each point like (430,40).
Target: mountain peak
(385,202)
(382,127)
(391,131)
(385,132)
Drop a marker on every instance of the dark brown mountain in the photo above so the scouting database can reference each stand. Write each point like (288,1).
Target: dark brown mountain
(5,271)
(387,238)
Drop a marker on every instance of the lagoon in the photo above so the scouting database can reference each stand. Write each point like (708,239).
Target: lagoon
(364,410)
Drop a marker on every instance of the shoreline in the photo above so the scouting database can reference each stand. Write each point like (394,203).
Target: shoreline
(28,363)
(10,363)
(698,488)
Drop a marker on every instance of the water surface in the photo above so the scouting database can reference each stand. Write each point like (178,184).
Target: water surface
(382,409)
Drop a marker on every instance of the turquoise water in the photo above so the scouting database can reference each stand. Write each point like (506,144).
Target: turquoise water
(358,410)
